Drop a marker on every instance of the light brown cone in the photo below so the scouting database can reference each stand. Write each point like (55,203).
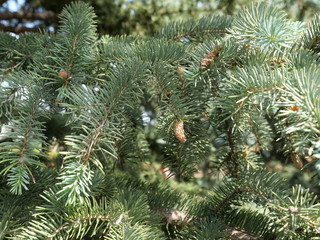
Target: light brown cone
(179,131)
(206,61)
(63,74)
(180,71)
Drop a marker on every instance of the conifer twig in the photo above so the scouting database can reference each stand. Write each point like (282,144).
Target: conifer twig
(201,31)
(46,15)
(237,234)
(18,29)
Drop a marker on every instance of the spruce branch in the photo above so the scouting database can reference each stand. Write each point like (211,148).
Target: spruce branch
(311,37)
(200,94)
(27,134)
(206,25)
(74,47)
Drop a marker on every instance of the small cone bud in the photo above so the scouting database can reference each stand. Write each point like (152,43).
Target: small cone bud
(206,115)
(293,209)
(296,160)
(176,217)
(180,71)
(179,131)
(294,108)
(246,152)
(63,74)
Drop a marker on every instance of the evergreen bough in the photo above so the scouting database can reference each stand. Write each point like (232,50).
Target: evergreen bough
(220,90)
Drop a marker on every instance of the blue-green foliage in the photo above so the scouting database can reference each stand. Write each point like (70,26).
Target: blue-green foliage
(220,92)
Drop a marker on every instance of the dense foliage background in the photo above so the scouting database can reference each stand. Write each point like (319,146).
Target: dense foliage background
(146,18)
(138,17)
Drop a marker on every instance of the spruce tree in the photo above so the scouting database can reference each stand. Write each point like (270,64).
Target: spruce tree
(221,91)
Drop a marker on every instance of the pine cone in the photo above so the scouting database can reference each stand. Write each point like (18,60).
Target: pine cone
(179,131)
(206,61)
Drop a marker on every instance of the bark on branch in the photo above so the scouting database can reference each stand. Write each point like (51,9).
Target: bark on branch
(47,15)
(2,2)
(17,29)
